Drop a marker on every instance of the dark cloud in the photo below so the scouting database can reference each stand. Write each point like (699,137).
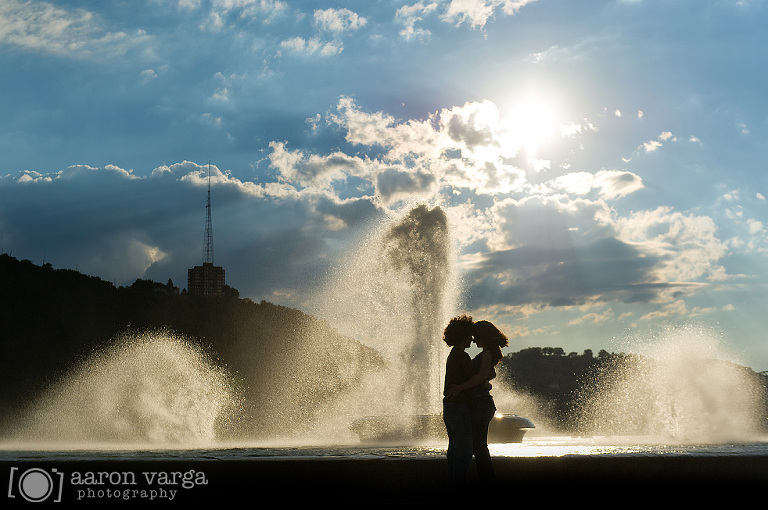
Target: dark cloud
(392,182)
(112,224)
(605,270)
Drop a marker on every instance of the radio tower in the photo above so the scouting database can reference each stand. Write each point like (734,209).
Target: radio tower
(208,240)
(207,279)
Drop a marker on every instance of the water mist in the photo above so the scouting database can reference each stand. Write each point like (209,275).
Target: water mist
(395,293)
(151,389)
(677,387)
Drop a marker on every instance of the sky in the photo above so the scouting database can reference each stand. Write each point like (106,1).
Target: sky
(602,163)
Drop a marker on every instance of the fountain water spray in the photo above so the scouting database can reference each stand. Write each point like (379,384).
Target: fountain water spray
(150,389)
(418,248)
(395,293)
(678,387)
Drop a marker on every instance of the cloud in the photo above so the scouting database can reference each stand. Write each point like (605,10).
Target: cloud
(477,12)
(124,257)
(314,171)
(410,15)
(558,251)
(314,46)
(654,145)
(393,184)
(338,20)
(266,11)
(679,308)
(609,184)
(593,318)
(43,27)
(687,245)
(601,271)
(617,183)
(465,146)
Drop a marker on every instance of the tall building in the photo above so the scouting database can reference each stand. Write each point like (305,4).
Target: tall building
(207,279)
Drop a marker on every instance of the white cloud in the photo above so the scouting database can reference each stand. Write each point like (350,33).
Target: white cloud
(266,10)
(477,12)
(617,183)
(313,170)
(410,15)
(687,245)
(593,318)
(666,136)
(148,75)
(465,146)
(677,307)
(46,28)
(651,145)
(29,176)
(338,20)
(123,257)
(654,145)
(313,46)
(609,184)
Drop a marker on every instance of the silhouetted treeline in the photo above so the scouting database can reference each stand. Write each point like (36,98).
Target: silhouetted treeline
(283,361)
(558,380)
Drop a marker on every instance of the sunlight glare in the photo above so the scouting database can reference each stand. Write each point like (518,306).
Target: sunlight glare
(533,122)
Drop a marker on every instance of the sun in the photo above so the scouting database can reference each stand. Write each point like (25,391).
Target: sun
(533,122)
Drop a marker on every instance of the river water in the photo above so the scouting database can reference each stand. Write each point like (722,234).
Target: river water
(554,446)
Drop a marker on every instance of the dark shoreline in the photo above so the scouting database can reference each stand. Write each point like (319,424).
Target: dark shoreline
(400,481)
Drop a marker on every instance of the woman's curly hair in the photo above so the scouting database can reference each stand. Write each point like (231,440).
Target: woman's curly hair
(487,335)
(459,329)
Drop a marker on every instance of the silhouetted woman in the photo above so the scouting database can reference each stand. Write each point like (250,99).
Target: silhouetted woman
(456,415)
(478,390)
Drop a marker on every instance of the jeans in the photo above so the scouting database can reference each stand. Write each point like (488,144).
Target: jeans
(458,424)
(481,412)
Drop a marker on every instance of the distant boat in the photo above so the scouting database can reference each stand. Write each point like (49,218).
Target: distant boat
(504,428)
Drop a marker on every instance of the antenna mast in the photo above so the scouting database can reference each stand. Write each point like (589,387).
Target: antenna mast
(208,241)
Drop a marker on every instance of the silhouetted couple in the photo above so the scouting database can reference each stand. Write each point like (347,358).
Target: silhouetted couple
(468,406)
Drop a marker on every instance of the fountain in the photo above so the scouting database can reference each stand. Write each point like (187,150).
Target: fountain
(397,293)
(151,389)
(393,294)
(678,386)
